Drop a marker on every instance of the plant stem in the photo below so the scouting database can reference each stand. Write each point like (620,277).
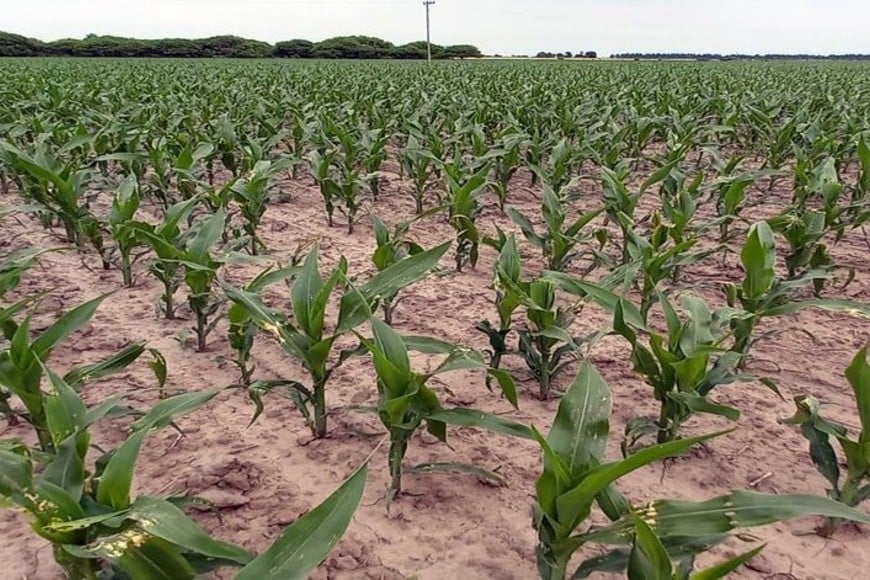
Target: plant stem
(320,409)
(126,269)
(398,448)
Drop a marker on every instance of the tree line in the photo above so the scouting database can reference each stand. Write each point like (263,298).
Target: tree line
(350,47)
(714,56)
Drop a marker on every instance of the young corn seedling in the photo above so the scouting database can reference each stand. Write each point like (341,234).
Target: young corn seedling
(123,227)
(200,273)
(167,241)
(21,364)
(242,329)
(252,195)
(406,402)
(56,186)
(374,153)
(419,164)
(556,170)
(575,476)
(854,488)
(545,341)
(682,366)
(506,161)
(559,241)
(321,169)
(463,203)
(94,526)
(508,274)
(762,294)
(620,204)
(656,259)
(98,530)
(392,248)
(303,334)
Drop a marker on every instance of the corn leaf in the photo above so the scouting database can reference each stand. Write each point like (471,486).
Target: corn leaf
(307,542)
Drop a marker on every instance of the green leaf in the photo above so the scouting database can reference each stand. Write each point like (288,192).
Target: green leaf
(67,469)
(725,568)
(66,325)
(164,520)
(759,260)
(117,362)
(117,477)
(573,506)
(506,383)
(16,476)
(740,509)
(306,543)
(164,412)
(858,375)
(598,294)
(140,556)
(481,420)
(649,560)
(207,235)
(304,292)
(580,430)
(386,284)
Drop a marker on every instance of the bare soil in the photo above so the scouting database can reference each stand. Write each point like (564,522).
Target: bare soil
(264,476)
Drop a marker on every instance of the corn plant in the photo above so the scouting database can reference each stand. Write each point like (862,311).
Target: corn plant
(854,488)
(200,271)
(507,158)
(545,342)
(463,204)
(167,240)
(97,529)
(620,204)
(242,329)
(252,196)
(374,152)
(123,227)
(21,362)
(559,241)
(56,186)
(656,259)
(419,164)
(556,169)
(507,275)
(406,402)
(575,476)
(762,294)
(392,248)
(682,366)
(303,334)
(321,169)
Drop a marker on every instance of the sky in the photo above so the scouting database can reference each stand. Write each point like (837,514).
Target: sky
(496,27)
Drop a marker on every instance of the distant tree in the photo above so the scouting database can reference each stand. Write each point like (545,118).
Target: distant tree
(568,54)
(462,51)
(354,47)
(17,45)
(591,54)
(296,48)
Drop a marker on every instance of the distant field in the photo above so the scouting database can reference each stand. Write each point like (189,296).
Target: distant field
(694,233)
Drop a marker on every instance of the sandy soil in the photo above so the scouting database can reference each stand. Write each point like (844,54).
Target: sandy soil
(264,476)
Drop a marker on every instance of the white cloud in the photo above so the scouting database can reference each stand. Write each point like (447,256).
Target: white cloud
(507,26)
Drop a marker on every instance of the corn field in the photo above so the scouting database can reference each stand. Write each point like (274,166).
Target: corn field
(479,319)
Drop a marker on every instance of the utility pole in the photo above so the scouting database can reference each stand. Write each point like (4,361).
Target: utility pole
(427,4)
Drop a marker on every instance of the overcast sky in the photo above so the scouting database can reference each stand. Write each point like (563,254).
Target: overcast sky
(506,27)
